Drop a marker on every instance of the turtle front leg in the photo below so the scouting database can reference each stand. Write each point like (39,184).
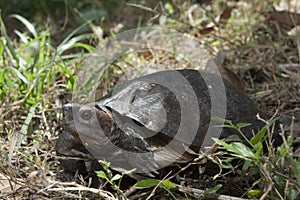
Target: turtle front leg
(69,146)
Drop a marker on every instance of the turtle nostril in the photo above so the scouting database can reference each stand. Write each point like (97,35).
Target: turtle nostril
(67,113)
(66,108)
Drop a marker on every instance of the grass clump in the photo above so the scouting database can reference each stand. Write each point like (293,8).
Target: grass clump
(33,75)
(274,180)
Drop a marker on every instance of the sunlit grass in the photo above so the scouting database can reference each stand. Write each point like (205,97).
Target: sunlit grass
(33,74)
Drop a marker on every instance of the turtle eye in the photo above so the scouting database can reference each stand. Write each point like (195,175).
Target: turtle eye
(86,115)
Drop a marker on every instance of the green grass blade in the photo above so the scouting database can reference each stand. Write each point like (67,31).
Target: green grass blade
(21,36)
(28,25)
(147,183)
(19,137)
(87,47)
(68,44)
(7,40)
(19,74)
(72,34)
(39,80)
(31,42)
(1,48)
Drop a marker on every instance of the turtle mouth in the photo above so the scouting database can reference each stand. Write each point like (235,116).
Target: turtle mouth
(69,127)
(107,110)
(109,113)
(68,120)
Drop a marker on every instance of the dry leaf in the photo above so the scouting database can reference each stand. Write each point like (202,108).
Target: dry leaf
(206,30)
(284,18)
(225,15)
(37,179)
(7,186)
(221,19)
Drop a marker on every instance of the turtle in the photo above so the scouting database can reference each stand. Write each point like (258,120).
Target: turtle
(156,121)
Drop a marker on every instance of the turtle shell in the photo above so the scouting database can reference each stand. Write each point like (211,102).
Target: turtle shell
(178,104)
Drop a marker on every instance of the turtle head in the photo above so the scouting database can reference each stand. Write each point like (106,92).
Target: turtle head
(87,119)
(95,127)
